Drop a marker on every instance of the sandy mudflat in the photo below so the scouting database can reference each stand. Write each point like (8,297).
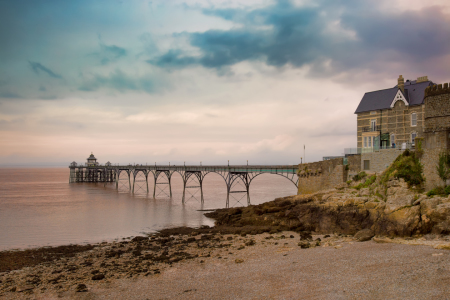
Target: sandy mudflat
(278,268)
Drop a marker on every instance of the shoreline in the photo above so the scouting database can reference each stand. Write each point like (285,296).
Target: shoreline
(105,267)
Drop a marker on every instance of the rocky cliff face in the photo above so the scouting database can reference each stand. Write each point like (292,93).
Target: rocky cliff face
(391,209)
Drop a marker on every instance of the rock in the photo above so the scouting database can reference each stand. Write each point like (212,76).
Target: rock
(364,192)
(139,239)
(420,199)
(98,276)
(304,245)
(24,288)
(238,260)
(305,235)
(81,287)
(250,243)
(364,235)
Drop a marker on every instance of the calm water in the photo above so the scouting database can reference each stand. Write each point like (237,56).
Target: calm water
(38,207)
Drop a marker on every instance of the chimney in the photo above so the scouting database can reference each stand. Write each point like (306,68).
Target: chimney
(401,83)
(422,79)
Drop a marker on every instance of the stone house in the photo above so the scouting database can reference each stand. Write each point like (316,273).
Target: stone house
(392,117)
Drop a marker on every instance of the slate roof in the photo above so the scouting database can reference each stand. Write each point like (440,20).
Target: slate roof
(382,99)
(92,157)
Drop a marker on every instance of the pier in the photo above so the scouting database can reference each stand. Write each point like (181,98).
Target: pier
(237,177)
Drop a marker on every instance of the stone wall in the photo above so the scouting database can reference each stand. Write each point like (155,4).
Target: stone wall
(429,161)
(379,160)
(326,174)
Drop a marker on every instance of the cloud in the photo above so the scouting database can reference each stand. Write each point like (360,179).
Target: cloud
(9,95)
(37,68)
(111,53)
(120,81)
(328,37)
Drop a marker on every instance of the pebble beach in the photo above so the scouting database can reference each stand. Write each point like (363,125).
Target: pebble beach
(210,263)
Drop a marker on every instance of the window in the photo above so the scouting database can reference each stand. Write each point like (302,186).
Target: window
(413,119)
(392,140)
(373,112)
(413,138)
(373,123)
(370,141)
(366,164)
(365,142)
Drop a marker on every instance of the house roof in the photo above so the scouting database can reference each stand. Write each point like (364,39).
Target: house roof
(92,157)
(382,99)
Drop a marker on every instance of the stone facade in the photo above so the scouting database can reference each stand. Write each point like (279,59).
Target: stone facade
(432,128)
(394,121)
(436,132)
(378,161)
(326,174)
(429,161)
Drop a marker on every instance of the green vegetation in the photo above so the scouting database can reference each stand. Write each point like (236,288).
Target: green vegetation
(443,166)
(359,176)
(366,183)
(439,191)
(379,196)
(406,166)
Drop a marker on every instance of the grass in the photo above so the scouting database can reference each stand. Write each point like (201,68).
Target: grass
(407,166)
(359,176)
(367,183)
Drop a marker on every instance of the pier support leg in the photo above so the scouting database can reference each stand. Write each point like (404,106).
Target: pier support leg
(201,190)
(170,185)
(154,185)
(184,188)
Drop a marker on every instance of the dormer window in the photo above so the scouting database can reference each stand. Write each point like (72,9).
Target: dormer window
(413,119)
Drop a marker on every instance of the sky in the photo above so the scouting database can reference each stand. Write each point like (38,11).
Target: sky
(271,82)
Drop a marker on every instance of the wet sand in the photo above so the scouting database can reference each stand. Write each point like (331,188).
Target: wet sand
(203,264)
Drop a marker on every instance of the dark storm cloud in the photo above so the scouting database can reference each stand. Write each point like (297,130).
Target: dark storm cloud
(331,37)
(38,68)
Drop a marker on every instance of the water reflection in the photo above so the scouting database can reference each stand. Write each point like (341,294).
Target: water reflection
(39,207)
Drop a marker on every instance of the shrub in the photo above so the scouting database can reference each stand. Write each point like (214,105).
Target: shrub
(359,176)
(440,191)
(447,190)
(367,183)
(407,166)
(443,166)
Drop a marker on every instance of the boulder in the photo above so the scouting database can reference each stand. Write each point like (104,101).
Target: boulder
(364,235)
(81,287)
(98,276)
(304,244)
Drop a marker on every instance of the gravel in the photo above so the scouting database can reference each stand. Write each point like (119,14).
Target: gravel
(338,269)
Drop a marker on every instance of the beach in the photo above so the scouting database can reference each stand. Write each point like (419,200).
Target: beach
(217,263)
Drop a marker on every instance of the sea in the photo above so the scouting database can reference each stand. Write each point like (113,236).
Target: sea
(39,207)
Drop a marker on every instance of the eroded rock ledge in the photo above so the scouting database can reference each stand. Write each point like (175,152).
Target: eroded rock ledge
(394,211)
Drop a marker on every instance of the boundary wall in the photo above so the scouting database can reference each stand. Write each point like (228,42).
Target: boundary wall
(326,174)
